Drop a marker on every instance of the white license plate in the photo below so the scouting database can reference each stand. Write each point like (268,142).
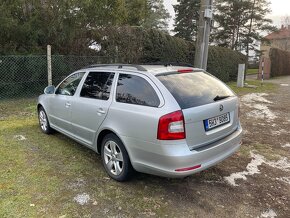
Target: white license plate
(214,122)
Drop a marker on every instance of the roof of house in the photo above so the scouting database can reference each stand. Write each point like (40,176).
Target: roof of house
(283,33)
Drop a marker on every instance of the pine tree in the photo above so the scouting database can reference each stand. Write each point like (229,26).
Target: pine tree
(157,16)
(257,23)
(239,23)
(186,20)
(230,19)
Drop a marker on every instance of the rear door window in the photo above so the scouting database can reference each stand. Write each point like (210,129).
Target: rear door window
(98,85)
(194,89)
(133,89)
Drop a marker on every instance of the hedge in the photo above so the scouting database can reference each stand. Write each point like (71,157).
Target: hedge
(26,75)
(137,45)
(280,62)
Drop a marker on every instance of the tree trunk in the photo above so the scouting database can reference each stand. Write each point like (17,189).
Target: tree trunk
(250,29)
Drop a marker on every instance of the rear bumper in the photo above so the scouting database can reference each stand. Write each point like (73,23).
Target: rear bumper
(166,158)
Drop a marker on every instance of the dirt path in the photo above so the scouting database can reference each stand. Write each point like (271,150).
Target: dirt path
(266,121)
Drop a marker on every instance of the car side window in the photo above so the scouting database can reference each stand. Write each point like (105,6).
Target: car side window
(70,84)
(133,89)
(98,85)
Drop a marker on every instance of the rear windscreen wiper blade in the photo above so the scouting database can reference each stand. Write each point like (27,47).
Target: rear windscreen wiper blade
(218,98)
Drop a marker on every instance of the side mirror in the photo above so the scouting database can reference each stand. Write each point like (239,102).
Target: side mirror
(49,90)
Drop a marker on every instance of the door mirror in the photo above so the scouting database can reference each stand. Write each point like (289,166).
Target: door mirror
(49,90)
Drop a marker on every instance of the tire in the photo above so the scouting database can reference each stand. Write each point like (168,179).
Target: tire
(43,122)
(115,158)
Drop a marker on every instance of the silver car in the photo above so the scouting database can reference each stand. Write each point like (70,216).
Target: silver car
(164,120)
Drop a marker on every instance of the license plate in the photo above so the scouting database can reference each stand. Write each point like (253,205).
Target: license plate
(217,121)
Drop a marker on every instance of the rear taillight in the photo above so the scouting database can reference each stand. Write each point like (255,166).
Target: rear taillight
(171,126)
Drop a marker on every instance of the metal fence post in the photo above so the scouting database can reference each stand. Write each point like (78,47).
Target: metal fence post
(49,72)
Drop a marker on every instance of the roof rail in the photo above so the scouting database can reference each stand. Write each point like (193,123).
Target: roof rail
(168,64)
(120,66)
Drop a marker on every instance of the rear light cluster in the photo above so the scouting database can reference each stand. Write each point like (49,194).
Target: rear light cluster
(171,126)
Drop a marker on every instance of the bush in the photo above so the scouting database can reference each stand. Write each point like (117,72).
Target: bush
(224,63)
(137,45)
(27,75)
(280,62)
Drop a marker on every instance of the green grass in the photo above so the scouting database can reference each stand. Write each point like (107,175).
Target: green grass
(16,108)
(265,87)
(252,71)
(39,176)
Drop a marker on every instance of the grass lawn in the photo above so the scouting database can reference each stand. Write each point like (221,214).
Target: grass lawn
(45,176)
(252,71)
(265,87)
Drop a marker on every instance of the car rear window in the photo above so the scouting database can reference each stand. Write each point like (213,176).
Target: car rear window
(194,89)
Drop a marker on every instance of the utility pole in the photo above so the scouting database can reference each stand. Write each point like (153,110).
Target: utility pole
(202,42)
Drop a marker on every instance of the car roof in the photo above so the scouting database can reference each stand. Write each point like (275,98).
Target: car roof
(152,69)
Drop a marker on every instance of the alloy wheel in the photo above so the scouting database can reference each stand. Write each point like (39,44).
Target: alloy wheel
(42,120)
(113,158)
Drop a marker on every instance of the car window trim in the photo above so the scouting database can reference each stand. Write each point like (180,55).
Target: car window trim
(152,84)
(82,71)
(87,74)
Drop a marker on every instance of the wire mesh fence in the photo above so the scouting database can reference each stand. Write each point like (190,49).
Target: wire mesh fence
(26,76)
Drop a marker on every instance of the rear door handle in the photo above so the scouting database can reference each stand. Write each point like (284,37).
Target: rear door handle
(67,104)
(101,111)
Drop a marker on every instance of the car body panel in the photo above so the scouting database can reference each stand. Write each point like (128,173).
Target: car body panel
(166,158)
(194,125)
(136,126)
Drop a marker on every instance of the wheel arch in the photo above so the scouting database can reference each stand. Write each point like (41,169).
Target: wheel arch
(102,135)
(39,106)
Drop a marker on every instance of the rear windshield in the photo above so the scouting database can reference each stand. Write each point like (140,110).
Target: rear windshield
(194,89)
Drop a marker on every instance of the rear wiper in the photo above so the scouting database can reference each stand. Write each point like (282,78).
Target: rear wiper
(218,98)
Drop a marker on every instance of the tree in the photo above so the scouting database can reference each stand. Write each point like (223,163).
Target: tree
(141,13)
(157,16)
(239,24)
(258,23)
(230,19)
(186,20)
(70,26)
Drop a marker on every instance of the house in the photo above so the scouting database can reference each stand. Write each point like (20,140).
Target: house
(279,39)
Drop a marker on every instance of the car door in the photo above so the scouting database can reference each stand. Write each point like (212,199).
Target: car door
(60,102)
(135,112)
(90,108)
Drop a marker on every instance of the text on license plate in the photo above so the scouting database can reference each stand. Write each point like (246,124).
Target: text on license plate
(216,121)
